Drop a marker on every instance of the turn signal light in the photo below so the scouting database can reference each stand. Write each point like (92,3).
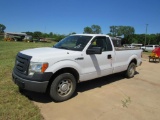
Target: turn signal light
(44,67)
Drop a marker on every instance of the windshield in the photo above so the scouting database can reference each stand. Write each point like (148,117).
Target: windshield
(77,42)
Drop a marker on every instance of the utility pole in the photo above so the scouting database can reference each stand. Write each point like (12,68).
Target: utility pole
(145,34)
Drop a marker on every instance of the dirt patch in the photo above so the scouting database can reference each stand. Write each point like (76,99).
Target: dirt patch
(145,55)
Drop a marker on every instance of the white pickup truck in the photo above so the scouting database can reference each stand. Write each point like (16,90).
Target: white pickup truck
(74,59)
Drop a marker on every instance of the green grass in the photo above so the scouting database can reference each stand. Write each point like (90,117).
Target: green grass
(147,53)
(13,105)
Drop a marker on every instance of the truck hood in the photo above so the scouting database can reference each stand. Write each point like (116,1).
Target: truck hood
(46,52)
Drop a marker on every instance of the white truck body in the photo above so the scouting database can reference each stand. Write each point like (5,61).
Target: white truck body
(85,66)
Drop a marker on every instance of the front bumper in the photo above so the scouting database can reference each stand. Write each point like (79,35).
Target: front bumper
(27,84)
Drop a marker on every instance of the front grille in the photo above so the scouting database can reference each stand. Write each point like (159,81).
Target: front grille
(22,63)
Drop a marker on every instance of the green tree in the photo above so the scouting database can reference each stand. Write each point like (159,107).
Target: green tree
(113,30)
(138,38)
(51,34)
(88,30)
(141,38)
(29,33)
(126,31)
(37,34)
(2,28)
(158,38)
(121,30)
(45,35)
(151,39)
(96,29)
(58,37)
(72,33)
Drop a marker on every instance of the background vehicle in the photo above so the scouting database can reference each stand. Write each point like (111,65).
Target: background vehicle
(149,47)
(11,36)
(74,59)
(133,45)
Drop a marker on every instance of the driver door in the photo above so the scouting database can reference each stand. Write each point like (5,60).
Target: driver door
(97,65)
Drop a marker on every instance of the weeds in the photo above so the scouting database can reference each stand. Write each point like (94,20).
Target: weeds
(126,102)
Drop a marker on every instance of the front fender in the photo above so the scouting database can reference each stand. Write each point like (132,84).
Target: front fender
(64,64)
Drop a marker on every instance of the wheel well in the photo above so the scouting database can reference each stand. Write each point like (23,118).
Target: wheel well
(134,61)
(63,70)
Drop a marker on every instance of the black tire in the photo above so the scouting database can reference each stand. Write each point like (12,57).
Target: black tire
(131,70)
(21,90)
(63,87)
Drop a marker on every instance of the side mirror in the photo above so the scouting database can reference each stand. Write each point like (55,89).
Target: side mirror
(94,50)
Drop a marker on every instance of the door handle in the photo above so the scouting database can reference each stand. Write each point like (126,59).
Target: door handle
(109,57)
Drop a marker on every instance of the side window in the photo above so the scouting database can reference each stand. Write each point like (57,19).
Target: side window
(102,42)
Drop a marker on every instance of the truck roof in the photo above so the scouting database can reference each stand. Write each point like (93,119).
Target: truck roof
(92,35)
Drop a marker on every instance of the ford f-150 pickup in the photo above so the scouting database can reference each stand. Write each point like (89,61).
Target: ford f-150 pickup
(74,59)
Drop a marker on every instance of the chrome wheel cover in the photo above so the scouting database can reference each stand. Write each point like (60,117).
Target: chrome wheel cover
(64,87)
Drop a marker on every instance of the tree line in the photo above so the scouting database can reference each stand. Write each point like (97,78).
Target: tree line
(126,32)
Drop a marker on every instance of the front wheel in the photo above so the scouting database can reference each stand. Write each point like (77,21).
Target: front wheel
(63,87)
(131,70)
(21,90)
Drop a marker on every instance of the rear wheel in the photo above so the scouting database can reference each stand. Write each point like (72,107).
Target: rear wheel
(131,70)
(63,87)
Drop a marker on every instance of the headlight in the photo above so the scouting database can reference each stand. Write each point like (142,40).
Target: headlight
(37,67)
